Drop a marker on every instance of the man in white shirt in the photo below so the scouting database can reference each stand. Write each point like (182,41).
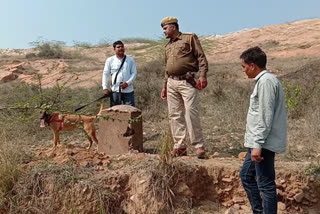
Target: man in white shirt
(123,72)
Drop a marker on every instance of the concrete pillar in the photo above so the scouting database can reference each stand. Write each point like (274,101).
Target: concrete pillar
(120,130)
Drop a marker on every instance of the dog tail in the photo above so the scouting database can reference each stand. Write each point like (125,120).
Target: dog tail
(100,110)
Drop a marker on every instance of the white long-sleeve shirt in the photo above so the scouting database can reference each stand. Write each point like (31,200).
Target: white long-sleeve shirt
(127,73)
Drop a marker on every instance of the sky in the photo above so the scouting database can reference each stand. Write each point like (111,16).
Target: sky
(93,21)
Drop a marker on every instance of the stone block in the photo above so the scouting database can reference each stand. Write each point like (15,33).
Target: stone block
(120,130)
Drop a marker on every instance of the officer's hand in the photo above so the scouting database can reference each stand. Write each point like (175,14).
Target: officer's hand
(256,155)
(123,85)
(164,93)
(202,83)
(107,91)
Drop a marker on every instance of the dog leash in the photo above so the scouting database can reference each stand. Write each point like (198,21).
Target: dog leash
(55,119)
(100,98)
(119,94)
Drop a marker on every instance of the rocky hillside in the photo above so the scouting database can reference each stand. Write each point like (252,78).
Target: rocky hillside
(301,38)
(83,69)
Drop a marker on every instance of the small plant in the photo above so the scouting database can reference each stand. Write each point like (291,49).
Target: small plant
(295,97)
(166,144)
(313,169)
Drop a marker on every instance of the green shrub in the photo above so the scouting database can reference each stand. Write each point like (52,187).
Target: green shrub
(138,40)
(31,55)
(48,49)
(82,44)
(313,169)
(295,97)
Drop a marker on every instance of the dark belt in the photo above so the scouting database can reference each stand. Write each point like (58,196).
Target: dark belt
(178,77)
(189,77)
(183,77)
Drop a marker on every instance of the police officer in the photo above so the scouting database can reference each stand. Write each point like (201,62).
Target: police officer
(185,60)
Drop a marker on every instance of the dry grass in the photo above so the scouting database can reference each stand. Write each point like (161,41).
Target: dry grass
(148,89)
(166,144)
(49,188)
(163,179)
(11,158)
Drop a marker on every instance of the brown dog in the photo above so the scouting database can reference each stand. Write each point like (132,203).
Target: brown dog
(68,122)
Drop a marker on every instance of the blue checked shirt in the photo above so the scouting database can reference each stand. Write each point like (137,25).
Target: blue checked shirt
(267,118)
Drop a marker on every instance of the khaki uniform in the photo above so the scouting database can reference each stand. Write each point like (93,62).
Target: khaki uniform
(184,54)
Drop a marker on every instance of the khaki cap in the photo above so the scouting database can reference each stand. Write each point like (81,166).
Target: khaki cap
(168,20)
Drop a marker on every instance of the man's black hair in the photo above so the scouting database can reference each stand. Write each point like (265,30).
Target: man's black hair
(255,55)
(117,43)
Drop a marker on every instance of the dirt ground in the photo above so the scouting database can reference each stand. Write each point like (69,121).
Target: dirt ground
(197,186)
